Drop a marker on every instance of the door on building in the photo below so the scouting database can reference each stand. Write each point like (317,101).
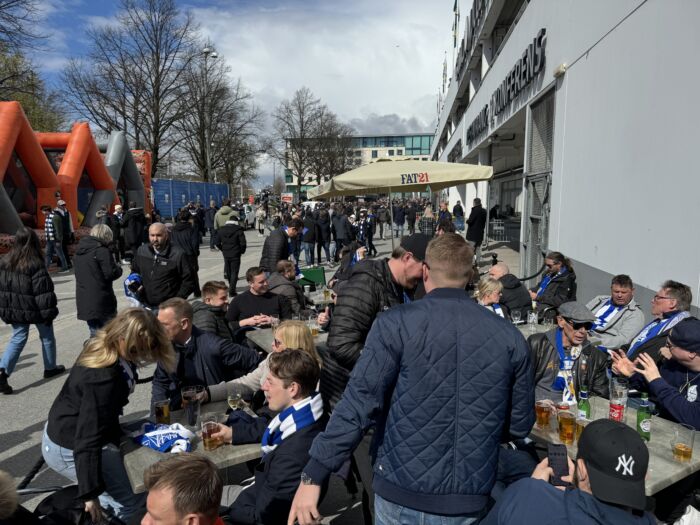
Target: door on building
(538,182)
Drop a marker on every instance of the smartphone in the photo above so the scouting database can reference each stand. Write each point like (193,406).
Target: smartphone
(559,463)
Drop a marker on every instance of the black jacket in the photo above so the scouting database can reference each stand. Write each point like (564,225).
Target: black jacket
(186,237)
(275,249)
(543,353)
(369,291)
(85,417)
(561,289)
(269,499)
(341,227)
(95,270)
(165,275)
(323,230)
(411,214)
(231,241)
(309,234)
(514,295)
(476,224)
(292,290)
(211,319)
(134,224)
(215,360)
(27,297)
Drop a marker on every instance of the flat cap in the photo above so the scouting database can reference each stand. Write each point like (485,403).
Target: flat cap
(576,312)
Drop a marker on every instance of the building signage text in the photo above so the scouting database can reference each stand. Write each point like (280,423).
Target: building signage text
(415,178)
(525,70)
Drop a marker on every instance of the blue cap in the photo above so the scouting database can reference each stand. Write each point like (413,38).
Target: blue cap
(686,334)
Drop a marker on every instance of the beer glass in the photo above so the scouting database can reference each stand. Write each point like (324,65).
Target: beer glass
(234,397)
(567,427)
(543,409)
(191,398)
(532,321)
(682,443)
(580,425)
(313,324)
(516,316)
(209,427)
(162,411)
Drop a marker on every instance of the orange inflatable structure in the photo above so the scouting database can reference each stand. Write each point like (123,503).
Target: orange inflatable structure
(37,168)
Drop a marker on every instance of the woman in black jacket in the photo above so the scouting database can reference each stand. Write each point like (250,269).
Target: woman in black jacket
(323,235)
(81,438)
(95,269)
(558,284)
(26,298)
(185,235)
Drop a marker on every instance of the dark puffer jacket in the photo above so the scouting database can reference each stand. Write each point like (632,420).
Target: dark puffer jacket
(275,249)
(186,237)
(369,291)
(134,225)
(515,295)
(444,379)
(95,270)
(231,241)
(561,289)
(323,229)
(27,297)
(211,319)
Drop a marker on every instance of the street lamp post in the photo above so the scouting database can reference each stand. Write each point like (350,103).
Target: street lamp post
(208,52)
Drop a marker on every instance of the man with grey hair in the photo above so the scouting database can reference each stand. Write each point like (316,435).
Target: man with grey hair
(164,269)
(514,295)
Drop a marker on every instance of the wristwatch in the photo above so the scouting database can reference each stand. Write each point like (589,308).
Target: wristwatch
(306,479)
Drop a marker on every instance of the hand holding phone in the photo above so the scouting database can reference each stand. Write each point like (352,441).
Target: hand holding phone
(559,463)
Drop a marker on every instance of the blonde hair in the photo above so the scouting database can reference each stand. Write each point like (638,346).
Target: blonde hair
(487,285)
(134,334)
(295,334)
(449,258)
(9,500)
(428,212)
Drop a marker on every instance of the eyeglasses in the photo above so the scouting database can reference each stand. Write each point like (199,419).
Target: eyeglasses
(579,326)
(660,297)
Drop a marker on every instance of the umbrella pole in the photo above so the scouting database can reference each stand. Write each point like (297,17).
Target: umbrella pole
(391,226)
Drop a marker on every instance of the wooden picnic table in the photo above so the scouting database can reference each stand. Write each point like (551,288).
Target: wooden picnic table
(663,469)
(263,338)
(137,458)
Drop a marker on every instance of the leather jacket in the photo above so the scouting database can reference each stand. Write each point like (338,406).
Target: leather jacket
(543,353)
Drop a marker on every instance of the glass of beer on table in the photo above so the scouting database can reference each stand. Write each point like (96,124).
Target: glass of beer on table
(682,443)
(209,427)
(567,424)
(234,397)
(162,411)
(191,399)
(543,409)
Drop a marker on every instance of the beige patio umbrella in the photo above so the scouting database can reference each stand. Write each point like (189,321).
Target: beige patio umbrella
(401,176)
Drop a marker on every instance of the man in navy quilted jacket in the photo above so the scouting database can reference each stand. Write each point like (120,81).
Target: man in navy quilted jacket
(443,380)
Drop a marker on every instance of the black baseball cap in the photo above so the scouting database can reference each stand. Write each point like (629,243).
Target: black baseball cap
(617,460)
(416,244)
(686,335)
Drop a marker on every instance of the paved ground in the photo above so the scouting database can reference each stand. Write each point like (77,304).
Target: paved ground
(23,414)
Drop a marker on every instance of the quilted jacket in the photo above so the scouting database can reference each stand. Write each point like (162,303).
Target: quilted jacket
(27,297)
(443,379)
(275,249)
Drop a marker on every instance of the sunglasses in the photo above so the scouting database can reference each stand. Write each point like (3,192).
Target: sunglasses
(578,326)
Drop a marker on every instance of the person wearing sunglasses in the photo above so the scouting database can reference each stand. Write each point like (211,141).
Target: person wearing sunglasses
(564,361)
(558,284)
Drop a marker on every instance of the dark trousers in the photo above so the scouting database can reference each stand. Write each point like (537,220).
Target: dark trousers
(65,243)
(326,248)
(411,227)
(232,266)
(339,243)
(194,266)
(212,238)
(362,458)
(370,245)
(381,229)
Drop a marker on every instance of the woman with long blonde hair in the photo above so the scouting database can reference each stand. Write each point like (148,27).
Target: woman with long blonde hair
(81,437)
(427,222)
(289,334)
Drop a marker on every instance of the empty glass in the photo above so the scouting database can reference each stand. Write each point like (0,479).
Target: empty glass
(516,316)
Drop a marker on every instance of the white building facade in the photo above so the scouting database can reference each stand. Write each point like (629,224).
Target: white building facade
(589,113)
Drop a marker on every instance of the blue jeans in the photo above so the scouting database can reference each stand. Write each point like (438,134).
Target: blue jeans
(20,334)
(387,513)
(308,248)
(94,325)
(118,497)
(398,230)
(57,247)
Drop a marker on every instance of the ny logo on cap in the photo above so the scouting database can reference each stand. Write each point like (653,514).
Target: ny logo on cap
(627,464)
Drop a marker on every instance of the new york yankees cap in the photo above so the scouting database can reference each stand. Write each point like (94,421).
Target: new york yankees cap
(616,459)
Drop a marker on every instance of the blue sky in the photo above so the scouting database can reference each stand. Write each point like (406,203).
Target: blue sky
(377,64)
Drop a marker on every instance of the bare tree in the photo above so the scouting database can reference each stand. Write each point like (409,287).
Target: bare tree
(135,76)
(330,147)
(295,124)
(18,22)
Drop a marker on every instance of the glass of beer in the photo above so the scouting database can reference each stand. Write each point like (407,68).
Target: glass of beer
(543,409)
(312,323)
(162,411)
(580,425)
(682,443)
(234,397)
(191,399)
(567,427)
(209,427)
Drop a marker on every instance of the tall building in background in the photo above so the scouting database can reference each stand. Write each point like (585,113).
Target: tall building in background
(587,112)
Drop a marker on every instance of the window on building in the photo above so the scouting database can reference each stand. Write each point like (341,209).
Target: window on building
(374,153)
(399,152)
(358,153)
(391,152)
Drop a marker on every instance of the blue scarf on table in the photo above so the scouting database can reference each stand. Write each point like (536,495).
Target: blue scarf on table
(302,414)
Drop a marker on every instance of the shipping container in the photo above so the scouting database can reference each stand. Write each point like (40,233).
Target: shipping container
(170,195)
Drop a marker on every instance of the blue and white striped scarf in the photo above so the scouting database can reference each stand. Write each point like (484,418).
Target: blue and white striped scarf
(605,314)
(302,414)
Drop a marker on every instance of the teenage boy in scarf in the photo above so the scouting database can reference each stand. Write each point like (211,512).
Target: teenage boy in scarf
(290,390)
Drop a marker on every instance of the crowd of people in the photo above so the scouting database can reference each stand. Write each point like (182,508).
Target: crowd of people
(425,390)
